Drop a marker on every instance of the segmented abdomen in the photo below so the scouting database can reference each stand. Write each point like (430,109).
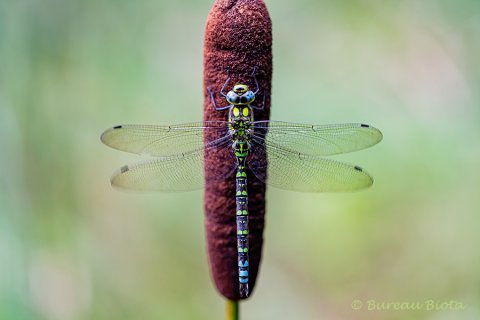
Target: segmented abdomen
(242,219)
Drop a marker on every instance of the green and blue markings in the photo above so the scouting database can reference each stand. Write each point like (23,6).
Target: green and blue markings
(242,224)
(240,117)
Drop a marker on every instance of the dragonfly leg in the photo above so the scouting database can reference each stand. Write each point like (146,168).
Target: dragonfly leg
(225,84)
(214,103)
(254,74)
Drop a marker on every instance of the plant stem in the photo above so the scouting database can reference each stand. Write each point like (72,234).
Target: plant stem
(232,310)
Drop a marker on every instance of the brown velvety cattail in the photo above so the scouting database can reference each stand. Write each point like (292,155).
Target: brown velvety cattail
(238,38)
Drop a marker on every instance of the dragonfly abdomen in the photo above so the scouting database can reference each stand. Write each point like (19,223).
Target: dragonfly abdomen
(241,198)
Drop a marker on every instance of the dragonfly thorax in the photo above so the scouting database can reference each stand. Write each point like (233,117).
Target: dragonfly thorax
(240,119)
(241,148)
(240,95)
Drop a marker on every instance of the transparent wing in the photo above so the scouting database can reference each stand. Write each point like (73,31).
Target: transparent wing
(182,172)
(289,170)
(162,140)
(318,140)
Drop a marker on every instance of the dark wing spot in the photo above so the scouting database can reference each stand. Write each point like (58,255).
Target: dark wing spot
(364,125)
(117,127)
(358,168)
(124,169)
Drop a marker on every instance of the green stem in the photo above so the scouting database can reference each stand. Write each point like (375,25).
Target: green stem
(232,310)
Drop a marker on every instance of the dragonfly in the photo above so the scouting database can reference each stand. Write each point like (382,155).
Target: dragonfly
(285,155)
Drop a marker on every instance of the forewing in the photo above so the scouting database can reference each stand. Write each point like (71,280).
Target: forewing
(163,141)
(288,170)
(317,140)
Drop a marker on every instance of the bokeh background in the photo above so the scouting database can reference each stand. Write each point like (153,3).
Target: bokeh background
(71,247)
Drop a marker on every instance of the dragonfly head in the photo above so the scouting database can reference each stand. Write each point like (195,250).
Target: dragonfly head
(240,95)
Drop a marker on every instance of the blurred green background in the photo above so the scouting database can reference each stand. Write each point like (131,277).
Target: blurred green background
(71,247)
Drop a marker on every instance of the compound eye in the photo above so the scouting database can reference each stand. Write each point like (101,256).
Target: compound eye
(231,97)
(245,112)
